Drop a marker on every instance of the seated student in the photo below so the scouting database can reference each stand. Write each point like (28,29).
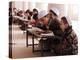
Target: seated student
(20,13)
(27,14)
(54,25)
(35,14)
(69,45)
(29,18)
(14,13)
(42,18)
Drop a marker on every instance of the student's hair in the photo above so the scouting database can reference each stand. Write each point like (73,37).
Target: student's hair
(27,11)
(31,13)
(35,10)
(35,16)
(64,20)
(19,13)
(53,13)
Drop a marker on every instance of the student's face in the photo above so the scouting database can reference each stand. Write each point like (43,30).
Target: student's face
(62,25)
(35,12)
(62,22)
(50,14)
(45,20)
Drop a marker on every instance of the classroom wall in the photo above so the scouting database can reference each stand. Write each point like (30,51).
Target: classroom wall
(59,7)
(64,9)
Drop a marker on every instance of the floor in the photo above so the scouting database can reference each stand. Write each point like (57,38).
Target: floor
(19,49)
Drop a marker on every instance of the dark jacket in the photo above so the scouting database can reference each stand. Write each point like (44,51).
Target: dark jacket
(72,40)
(58,34)
(69,44)
(41,26)
(54,26)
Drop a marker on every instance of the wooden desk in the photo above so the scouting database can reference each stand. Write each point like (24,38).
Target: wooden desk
(20,18)
(35,32)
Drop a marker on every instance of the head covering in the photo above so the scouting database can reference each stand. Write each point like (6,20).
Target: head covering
(68,20)
(56,11)
(42,13)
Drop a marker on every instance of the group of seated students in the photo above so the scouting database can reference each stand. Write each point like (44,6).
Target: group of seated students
(32,16)
(65,41)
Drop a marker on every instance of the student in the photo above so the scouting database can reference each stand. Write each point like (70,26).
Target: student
(70,41)
(42,18)
(54,26)
(20,13)
(14,11)
(35,14)
(28,16)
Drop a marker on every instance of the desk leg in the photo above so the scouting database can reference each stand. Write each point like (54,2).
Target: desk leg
(32,42)
(26,38)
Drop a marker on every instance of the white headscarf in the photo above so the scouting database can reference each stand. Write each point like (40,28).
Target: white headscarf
(42,13)
(55,10)
(68,20)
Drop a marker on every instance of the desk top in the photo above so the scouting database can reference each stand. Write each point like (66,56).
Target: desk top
(40,33)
